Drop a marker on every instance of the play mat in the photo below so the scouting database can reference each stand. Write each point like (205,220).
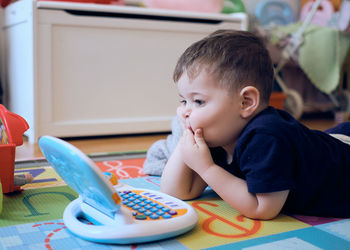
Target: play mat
(32,219)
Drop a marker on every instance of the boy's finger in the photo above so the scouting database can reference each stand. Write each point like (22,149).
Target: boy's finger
(189,136)
(198,136)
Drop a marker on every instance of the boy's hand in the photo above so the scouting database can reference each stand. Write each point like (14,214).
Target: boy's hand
(195,151)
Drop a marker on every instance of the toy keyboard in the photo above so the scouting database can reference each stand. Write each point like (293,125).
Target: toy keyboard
(147,205)
(113,214)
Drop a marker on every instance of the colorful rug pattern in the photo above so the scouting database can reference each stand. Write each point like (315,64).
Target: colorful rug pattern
(32,219)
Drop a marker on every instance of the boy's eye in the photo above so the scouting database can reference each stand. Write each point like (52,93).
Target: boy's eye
(199,102)
(183,102)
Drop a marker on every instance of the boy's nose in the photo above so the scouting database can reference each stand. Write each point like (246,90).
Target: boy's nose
(187,112)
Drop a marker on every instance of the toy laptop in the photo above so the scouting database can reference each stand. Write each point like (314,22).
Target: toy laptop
(113,214)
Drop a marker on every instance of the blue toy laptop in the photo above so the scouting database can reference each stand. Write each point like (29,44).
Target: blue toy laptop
(113,214)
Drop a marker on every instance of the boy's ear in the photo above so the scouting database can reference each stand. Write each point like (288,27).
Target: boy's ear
(250,100)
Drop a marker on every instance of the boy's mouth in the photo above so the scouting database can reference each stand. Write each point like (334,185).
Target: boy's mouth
(188,126)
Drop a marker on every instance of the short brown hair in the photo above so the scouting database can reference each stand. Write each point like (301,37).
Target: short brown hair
(236,58)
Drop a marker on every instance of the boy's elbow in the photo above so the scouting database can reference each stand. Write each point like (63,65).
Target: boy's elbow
(268,206)
(256,212)
(261,214)
(178,194)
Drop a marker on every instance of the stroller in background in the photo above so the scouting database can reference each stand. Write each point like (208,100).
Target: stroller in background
(288,72)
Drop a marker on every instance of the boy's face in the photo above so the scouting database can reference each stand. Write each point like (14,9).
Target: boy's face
(214,109)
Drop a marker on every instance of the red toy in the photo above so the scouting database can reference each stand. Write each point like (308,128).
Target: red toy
(4,3)
(12,127)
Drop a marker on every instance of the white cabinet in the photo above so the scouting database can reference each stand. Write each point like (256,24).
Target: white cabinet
(76,69)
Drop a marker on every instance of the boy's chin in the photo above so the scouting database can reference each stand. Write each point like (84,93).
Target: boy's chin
(211,144)
(214,144)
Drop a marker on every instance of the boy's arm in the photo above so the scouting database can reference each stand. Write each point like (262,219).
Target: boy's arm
(229,187)
(234,191)
(179,180)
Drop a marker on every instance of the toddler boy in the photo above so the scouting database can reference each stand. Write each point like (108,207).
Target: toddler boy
(258,159)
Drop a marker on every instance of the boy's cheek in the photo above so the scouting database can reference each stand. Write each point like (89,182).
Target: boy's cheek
(182,123)
(179,111)
(180,117)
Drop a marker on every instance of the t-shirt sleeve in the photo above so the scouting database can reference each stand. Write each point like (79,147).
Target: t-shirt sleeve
(267,163)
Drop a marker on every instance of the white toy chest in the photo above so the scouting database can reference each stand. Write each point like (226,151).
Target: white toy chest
(74,69)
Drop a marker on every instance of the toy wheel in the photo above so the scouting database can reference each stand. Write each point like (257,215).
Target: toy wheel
(343,99)
(293,103)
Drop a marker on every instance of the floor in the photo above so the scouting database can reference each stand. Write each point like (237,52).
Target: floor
(95,145)
(132,143)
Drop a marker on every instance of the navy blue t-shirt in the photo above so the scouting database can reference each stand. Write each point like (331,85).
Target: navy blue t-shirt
(275,152)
